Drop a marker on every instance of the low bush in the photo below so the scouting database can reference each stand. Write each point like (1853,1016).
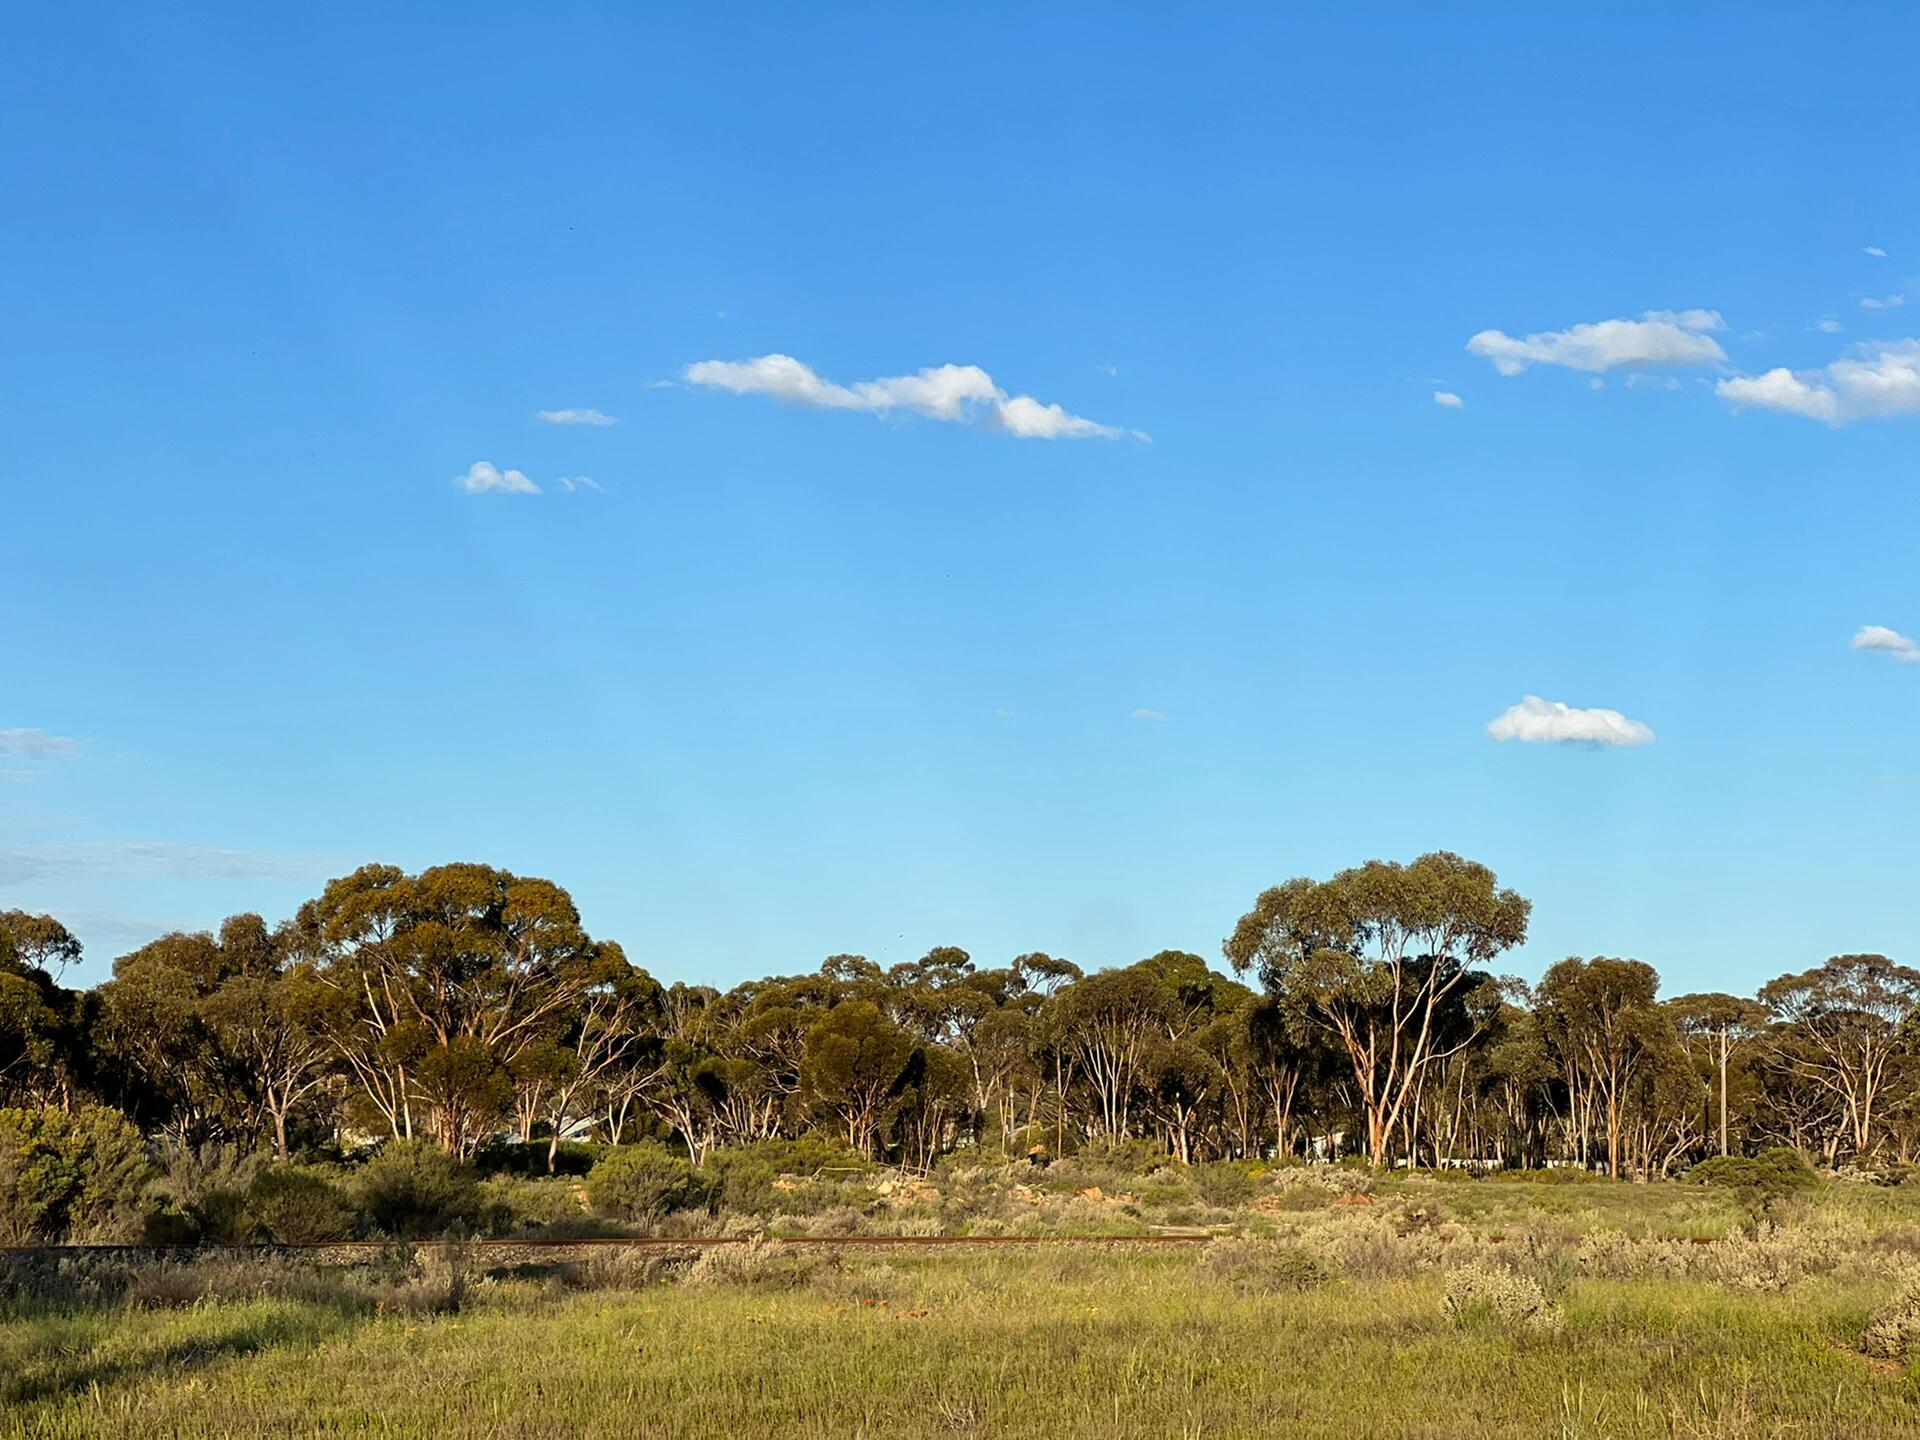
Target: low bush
(758,1262)
(413,1190)
(296,1205)
(1759,1180)
(645,1182)
(1480,1293)
(1894,1331)
(1260,1267)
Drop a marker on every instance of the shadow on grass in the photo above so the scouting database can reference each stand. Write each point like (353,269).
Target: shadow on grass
(64,1374)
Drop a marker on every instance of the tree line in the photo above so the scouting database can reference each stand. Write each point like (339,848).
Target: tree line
(1359,1014)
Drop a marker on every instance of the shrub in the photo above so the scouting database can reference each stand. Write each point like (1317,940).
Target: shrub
(1260,1267)
(759,1262)
(1894,1331)
(645,1183)
(802,1176)
(1493,1293)
(413,1190)
(200,1195)
(69,1175)
(555,1208)
(291,1205)
(1759,1180)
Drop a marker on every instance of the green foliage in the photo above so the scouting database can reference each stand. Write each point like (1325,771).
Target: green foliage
(299,1205)
(797,1177)
(1759,1180)
(72,1176)
(414,1190)
(644,1183)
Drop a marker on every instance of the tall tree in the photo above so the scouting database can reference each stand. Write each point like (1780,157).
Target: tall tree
(1842,1031)
(1387,959)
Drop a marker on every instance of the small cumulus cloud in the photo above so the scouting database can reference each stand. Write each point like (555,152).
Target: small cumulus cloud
(1827,325)
(1875,382)
(1153,715)
(482,479)
(1878,302)
(1447,400)
(1549,722)
(1875,251)
(574,417)
(1659,337)
(1886,642)
(954,394)
(26,744)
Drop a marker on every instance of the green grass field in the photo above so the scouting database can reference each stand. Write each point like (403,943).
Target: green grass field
(1658,1335)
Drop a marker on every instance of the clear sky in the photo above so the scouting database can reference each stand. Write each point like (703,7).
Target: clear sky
(833,656)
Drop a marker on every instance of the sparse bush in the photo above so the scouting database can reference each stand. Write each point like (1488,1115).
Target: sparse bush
(1260,1267)
(1481,1293)
(1894,1331)
(510,1205)
(413,1190)
(759,1262)
(645,1182)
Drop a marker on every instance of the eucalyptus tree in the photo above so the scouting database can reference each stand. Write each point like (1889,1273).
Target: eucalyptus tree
(1388,959)
(1842,1029)
(37,1015)
(1602,1022)
(1726,1022)
(440,981)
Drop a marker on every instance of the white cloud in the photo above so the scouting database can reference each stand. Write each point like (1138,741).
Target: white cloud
(1147,715)
(572,483)
(1876,382)
(1447,400)
(1639,379)
(1142,436)
(662,385)
(1887,642)
(952,393)
(482,479)
(1549,722)
(574,417)
(36,744)
(1876,252)
(1660,337)
(1827,325)
(1891,302)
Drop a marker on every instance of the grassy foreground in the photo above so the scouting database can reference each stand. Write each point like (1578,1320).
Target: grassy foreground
(1021,1343)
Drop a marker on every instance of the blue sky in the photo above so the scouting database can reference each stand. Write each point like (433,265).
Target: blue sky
(822,668)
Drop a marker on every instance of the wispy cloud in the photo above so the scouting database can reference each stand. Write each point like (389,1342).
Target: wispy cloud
(574,417)
(1447,400)
(1153,715)
(955,394)
(1826,325)
(1875,251)
(36,744)
(482,479)
(1549,722)
(1882,302)
(1886,642)
(109,858)
(573,483)
(1875,382)
(1660,337)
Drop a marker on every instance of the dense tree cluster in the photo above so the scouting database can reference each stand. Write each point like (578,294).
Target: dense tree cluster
(1363,1015)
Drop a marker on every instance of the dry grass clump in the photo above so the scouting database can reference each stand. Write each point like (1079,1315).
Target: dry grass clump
(1482,1294)
(1260,1267)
